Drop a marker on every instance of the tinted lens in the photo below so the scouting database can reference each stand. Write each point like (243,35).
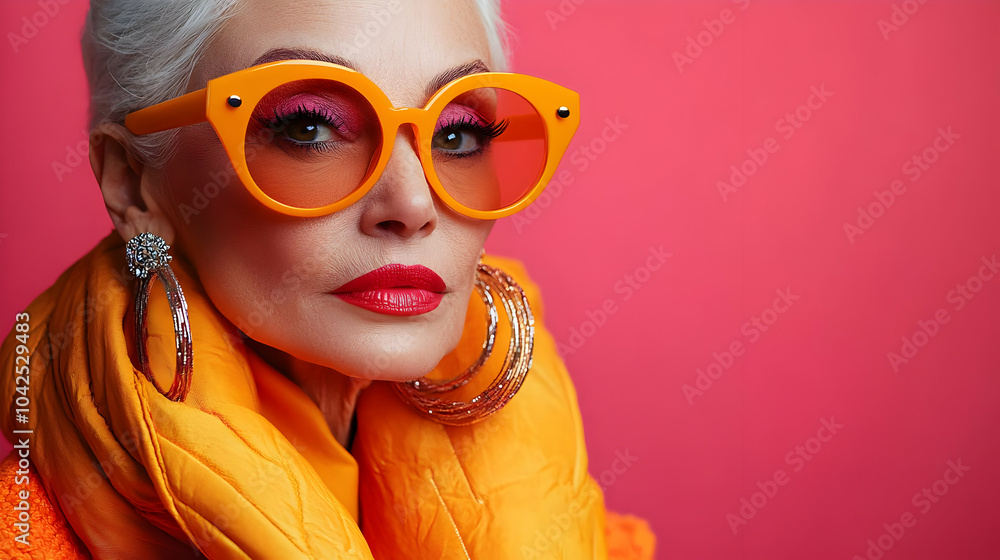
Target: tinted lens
(489,148)
(310,142)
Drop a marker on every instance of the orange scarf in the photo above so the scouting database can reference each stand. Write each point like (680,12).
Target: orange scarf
(246,466)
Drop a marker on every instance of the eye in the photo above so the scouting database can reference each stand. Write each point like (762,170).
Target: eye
(304,129)
(466,136)
(454,140)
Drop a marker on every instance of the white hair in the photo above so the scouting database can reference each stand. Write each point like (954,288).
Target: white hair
(137,53)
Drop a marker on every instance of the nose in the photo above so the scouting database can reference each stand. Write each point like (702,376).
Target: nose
(401,202)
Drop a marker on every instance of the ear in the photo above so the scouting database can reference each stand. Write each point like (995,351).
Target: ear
(126,184)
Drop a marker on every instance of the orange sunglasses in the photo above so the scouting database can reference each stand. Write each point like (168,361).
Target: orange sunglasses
(308,138)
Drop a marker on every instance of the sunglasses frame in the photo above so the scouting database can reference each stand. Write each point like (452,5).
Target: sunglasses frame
(228,103)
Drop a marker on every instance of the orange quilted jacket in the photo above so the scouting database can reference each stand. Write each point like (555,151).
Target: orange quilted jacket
(246,466)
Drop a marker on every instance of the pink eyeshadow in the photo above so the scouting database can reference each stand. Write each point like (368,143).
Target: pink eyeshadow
(454,113)
(347,116)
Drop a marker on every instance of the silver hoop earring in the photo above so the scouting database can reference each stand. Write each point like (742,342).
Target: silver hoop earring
(491,283)
(147,257)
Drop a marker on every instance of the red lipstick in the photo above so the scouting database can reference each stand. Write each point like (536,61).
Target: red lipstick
(395,289)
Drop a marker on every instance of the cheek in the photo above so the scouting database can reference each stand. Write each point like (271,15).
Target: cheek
(202,186)
(466,236)
(264,276)
(249,257)
(464,241)
(215,216)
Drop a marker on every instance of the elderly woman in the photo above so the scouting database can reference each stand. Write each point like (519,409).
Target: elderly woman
(293,345)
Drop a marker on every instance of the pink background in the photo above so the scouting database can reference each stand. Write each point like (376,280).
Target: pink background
(651,183)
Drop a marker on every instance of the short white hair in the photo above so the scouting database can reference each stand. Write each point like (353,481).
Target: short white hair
(138,53)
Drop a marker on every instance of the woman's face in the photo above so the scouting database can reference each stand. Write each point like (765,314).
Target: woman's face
(273,275)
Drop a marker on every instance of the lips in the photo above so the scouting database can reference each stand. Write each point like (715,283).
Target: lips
(395,289)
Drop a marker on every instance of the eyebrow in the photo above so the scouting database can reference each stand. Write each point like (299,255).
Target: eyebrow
(442,79)
(474,67)
(274,55)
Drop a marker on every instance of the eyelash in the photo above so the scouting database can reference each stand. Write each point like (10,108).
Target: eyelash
(278,121)
(488,131)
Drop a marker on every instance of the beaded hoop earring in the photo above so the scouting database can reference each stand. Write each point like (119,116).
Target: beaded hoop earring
(147,257)
(491,283)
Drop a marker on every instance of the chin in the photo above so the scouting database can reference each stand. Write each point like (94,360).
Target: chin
(387,348)
(390,354)
(366,345)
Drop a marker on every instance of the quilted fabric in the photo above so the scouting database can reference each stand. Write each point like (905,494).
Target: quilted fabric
(246,467)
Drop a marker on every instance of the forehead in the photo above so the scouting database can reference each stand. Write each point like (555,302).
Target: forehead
(401,45)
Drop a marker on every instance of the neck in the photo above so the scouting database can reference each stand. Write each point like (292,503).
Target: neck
(334,393)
